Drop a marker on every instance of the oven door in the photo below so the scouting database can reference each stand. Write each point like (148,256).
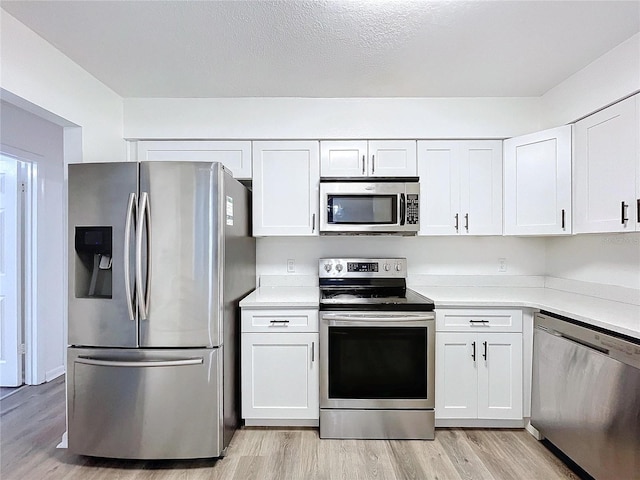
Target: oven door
(376,360)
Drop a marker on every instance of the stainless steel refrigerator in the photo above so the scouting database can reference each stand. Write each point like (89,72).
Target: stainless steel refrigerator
(160,254)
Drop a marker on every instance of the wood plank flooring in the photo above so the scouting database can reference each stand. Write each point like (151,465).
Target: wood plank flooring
(32,422)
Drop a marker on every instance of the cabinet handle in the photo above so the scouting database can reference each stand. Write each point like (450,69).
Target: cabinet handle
(473,355)
(623,212)
(373,164)
(279,322)
(479,321)
(313,352)
(484,355)
(456,217)
(313,223)
(638,210)
(362,164)
(466,222)
(563,219)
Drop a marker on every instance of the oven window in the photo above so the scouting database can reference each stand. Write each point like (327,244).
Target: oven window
(363,209)
(377,362)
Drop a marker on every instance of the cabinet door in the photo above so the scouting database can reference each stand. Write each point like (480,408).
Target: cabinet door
(439,171)
(280,376)
(343,158)
(286,178)
(606,169)
(392,158)
(500,376)
(481,187)
(456,375)
(537,183)
(236,156)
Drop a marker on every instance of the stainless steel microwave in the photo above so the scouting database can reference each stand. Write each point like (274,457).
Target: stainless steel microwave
(369,206)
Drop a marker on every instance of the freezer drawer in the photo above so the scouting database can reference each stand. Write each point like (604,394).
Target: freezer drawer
(145,404)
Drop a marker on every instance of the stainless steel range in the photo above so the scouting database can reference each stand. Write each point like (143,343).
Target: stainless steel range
(377,351)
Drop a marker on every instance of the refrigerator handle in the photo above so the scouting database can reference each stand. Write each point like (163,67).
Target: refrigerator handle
(131,206)
(137,364)
(143,291)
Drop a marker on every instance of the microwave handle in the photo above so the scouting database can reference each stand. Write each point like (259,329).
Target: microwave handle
(402,209)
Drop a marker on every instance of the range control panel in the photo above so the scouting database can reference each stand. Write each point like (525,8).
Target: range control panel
(363,267)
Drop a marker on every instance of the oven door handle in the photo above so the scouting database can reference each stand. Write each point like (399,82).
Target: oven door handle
(376,318)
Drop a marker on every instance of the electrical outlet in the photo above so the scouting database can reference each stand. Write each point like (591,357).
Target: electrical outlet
(291,265)
(502,265)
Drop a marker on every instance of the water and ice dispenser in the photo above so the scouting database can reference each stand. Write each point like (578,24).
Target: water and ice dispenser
(93,262)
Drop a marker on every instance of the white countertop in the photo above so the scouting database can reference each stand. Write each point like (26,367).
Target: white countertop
(282,297)
(618,317)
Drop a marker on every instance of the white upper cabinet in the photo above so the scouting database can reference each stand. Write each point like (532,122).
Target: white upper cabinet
(537,183)
(286,178)
(460,187)
(236,155)
(373,158)
(607,169)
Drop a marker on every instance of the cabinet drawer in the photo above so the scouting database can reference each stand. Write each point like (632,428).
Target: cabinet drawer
(279,320)
(466,320)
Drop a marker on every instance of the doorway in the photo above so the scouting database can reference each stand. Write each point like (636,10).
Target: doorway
(16,240)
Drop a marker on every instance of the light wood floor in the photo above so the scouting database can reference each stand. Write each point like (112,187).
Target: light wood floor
(32,422)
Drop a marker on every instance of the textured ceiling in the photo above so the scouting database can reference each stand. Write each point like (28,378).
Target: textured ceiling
(367,48)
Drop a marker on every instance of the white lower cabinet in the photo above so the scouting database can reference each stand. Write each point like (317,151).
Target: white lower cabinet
(280,370)
(479,380)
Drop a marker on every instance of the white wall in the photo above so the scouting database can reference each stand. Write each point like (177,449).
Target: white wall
(31,138)
(425,255)
(602,258)
(613,76)
(324,118)
(35,71)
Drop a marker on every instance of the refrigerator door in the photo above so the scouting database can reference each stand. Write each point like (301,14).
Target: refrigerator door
(180,249)
(101,200)
(144,404)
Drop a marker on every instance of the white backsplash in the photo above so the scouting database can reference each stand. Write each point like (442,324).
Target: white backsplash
(425,255)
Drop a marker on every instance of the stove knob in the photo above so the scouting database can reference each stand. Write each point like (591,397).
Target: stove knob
(387,267)
(327,267)
(398,267)
(339,267)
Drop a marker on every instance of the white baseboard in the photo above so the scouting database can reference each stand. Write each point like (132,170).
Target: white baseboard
(63,442)
(54,373)
(477,423)
(533,431)
(274,422)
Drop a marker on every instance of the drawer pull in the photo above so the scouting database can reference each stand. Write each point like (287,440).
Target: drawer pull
(479,321)
(279,322)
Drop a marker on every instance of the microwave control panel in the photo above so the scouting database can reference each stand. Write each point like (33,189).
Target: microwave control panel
(412,209)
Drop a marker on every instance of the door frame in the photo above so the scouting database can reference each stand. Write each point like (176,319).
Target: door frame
(28,265)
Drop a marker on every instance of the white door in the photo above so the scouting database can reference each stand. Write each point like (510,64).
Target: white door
(537,183)
(500,376)
(235,155)
(456,375)
(10,324)
(392,158)
(606,162)
(439,172)
(481,187)
(343,158)
(280,376)
(286,179)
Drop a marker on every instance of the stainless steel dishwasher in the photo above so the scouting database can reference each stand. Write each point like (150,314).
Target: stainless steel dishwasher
(586,396)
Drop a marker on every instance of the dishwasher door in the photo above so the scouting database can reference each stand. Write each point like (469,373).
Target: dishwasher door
(585,400)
